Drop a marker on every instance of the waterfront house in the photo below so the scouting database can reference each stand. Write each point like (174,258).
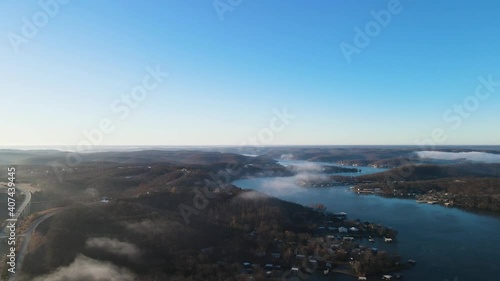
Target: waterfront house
(362,278)
(387,240)
(340,216)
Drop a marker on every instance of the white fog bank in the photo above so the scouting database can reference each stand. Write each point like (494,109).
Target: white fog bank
(472,156)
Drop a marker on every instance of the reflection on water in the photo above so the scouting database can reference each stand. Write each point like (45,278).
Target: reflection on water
(446,242)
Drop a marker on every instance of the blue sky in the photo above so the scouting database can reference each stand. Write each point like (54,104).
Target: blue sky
(227,76)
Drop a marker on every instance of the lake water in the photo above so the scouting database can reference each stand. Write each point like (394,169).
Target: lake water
(447,243)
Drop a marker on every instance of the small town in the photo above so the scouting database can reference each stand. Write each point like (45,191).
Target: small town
(337,246)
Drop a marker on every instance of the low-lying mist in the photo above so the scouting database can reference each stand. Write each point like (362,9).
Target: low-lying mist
(114,246)
(85,268)
(279,186)
(471,156)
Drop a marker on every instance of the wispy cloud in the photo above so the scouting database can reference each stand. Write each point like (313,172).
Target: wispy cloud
(85,268)
(280,186)
(472,156)
(151,227)
(114,246)
(307,167)
(252,195)
(308,171)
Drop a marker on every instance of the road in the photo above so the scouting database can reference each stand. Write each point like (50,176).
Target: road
(21,252)
(19,209)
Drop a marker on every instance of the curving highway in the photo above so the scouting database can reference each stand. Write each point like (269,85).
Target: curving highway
(23,249)
(19,210)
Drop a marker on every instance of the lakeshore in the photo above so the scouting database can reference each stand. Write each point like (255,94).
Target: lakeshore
(460,248)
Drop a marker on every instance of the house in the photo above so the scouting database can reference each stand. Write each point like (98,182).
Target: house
(354,229)
(342,229)
(246,264)
(361,278)
(387,240)
(348,238)
(294,270)
(340,216)
(269,266)
(276,255)
(387,277)
(300,256)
